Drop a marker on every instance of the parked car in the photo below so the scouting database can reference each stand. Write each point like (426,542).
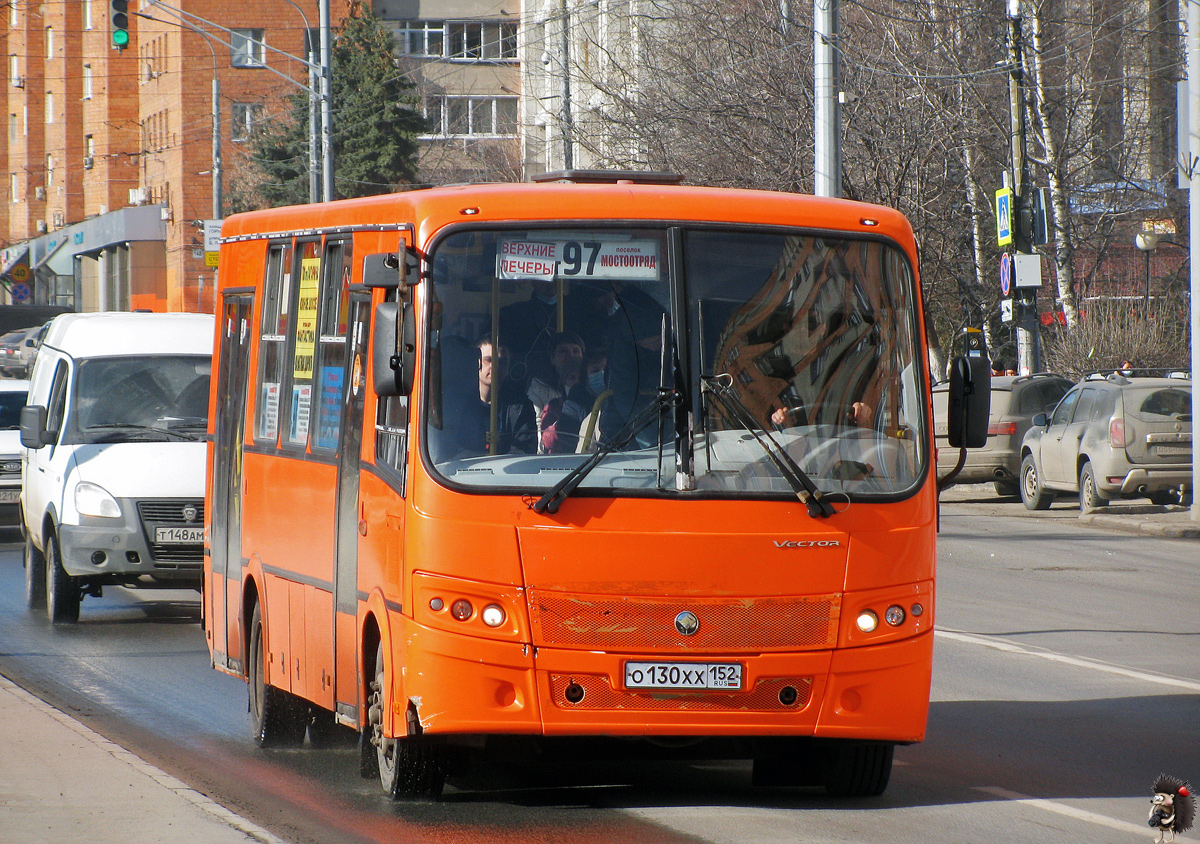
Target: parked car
(1015,401)
(27,353)
(1112,437)
(114,463)
(10,353)
(12,399)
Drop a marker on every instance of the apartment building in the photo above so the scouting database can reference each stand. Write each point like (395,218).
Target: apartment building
(462,56)
(111,157)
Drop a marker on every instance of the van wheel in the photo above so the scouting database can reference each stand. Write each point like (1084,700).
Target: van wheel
(412,767)
(1089,495)
(35,576)
(1033,496)
(279,719)
(62,592)
(859,770)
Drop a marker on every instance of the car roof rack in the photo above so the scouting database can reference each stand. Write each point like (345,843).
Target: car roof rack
(610,177)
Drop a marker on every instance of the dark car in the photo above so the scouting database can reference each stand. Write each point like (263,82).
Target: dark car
(1015,401)
(1112,437)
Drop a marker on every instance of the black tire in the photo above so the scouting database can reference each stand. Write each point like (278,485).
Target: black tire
(411,767)
(35,576)
(859,770)
(1033,495)
(62,591)
(1089,495)
(1007,489)
(278,718)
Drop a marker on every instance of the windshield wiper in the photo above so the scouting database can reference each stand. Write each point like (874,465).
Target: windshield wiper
(554,497)
(720,388)
(116,430)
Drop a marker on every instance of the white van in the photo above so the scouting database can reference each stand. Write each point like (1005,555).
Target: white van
(112,477)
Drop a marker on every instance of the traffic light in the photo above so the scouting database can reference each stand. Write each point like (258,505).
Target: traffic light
(118,16)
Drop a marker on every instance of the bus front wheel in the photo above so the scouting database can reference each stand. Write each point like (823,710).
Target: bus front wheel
(411,767)
(859,770)
(279,719)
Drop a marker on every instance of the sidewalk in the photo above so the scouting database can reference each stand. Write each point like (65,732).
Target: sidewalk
(60,781)
(1172,521)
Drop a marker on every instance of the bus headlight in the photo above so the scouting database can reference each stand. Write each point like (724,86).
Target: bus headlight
(492,615)
(93,500)
(867,621)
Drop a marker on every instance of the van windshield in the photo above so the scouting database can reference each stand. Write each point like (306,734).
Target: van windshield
(140,398)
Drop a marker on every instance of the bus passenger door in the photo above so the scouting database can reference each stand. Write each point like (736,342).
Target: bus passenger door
(225,542)
(349,515)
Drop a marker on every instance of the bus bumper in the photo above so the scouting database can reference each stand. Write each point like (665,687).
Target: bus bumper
(468,685)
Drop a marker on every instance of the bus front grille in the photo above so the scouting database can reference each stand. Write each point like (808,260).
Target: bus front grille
(648,623)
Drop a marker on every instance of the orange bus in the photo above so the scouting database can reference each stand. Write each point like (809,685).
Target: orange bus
(596,456)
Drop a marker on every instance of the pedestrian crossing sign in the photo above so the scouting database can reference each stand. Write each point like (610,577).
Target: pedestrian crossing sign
(1004,229)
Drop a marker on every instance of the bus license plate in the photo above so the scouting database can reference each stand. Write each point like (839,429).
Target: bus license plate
(683,675)
(179,535)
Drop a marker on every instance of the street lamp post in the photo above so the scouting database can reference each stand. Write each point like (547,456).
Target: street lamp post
(1147,242)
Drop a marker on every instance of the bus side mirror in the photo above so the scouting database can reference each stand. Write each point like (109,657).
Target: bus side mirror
(970,399)
(385,269)
(33,427)
(393,350)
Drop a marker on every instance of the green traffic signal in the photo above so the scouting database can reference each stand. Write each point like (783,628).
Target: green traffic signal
(119,18)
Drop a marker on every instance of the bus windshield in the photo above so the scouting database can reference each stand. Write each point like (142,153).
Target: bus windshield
(546,345)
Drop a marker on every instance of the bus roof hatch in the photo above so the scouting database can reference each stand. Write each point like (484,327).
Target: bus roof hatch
(610,177)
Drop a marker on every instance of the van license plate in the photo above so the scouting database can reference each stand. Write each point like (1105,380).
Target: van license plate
(683,675)
(10,496)
(179,535)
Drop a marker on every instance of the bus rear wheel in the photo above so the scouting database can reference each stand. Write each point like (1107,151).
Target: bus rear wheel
(279,719)
(411,767)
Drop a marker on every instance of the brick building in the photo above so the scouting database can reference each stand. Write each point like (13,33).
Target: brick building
(110,153)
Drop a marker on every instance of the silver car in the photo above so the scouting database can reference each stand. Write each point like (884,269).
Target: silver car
(1112,437)
(1015,400)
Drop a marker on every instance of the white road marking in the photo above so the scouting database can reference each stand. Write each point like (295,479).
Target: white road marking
(1064,809)
(1079,662)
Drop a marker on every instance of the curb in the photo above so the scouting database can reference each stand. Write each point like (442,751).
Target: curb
(1175,529)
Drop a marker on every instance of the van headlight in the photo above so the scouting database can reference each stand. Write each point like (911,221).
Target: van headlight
(93,500)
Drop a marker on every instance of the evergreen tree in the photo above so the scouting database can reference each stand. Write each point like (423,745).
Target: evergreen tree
(375,125)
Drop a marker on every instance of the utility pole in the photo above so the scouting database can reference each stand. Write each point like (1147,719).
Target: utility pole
(566,118)
(1025,314)
(827,164)
(1193,156)
(326,104)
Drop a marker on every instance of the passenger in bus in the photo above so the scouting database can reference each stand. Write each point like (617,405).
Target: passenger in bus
(527,328)
(472,421)
(565,371)
(572,423)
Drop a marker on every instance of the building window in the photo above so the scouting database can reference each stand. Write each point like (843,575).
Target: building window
(14,129)
(87,14)
(460,40)
(49,171)
(49,42)
(247,48)
(49,107)
(454,116)
(87,81)
(14,71)
(89,152)
(246,119)
(13,188)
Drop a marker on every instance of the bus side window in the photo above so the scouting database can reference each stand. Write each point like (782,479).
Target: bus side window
(274,328)
(391,432)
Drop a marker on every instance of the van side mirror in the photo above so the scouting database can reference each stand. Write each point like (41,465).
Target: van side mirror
(969,402)
(393,349)
(33,427)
